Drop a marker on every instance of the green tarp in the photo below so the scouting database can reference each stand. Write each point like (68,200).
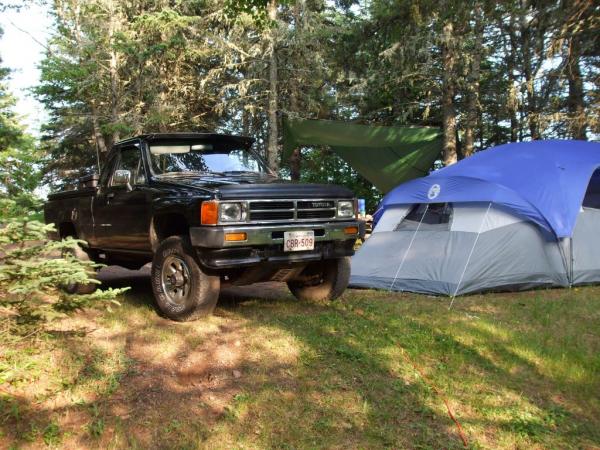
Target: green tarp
(386,156)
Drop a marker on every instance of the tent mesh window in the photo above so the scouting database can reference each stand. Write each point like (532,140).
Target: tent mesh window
(592,195)
(435,217)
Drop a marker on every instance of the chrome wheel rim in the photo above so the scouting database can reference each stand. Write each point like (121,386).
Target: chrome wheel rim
(175,277)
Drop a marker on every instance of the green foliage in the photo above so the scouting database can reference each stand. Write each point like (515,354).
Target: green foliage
(32,269)
(521,48)
(22,205)
(51,434)
(11,131)
(19,158)
(96,426)
(19,167)
(256,9)
(521,70)
(323,166)
(117,69)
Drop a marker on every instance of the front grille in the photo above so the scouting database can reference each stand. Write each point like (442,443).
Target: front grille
(271,205)
(271,215)
(316,214)
(291,210)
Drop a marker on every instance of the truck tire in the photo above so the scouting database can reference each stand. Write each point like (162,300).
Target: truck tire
(80,288)
(329,284)
(183,291)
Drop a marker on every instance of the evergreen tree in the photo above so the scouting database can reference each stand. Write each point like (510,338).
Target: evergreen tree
(484,72)
(31,267)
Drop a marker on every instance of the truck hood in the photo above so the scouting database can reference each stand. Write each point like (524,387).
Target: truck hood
(257,188)
(283,190)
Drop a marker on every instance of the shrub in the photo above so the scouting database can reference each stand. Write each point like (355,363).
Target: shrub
(32,269)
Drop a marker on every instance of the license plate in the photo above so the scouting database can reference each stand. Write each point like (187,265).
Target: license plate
(297,241)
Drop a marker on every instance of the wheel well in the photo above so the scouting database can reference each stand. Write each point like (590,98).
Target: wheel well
(166,225)
(66,229)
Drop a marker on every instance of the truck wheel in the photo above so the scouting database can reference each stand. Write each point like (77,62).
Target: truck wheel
(183,291)
(80,288)
(327,280)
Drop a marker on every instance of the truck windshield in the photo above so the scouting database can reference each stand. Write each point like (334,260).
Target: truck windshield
(205,158)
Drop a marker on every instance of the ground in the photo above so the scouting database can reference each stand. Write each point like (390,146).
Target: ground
(372,370)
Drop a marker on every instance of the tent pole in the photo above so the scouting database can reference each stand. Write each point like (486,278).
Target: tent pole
(567,259)
(470,254)
(409,246)
(571,263)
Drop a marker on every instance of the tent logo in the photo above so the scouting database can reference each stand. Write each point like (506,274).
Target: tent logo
(433,191)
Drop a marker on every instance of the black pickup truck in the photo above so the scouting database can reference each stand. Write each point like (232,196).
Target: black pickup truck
(205,210)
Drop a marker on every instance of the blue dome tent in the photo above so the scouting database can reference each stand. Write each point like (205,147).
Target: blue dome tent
(515,216)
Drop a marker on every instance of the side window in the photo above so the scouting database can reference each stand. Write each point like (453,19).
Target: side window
(592,195)
(432,217)
(131,159)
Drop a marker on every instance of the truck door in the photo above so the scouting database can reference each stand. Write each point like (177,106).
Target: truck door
(121,212)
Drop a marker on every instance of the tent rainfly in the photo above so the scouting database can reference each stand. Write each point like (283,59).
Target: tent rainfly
(513,217)
(386,156)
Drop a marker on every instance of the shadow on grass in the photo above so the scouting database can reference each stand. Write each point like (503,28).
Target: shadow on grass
(277,373)
(357,340)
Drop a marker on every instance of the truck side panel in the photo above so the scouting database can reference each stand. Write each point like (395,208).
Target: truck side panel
(71,214)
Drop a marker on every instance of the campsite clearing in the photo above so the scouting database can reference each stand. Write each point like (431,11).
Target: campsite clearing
(518,370)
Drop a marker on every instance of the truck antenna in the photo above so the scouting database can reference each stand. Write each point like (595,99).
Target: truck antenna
(97,156)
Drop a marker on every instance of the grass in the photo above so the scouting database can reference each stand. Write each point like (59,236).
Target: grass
(518,370)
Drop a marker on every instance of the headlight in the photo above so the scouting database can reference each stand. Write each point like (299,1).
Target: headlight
(345,208)
(232,212)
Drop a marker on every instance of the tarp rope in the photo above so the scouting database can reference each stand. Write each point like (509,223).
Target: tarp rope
(470,254)
(440,394)
(409,247)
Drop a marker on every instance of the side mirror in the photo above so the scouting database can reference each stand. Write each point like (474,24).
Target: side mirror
(122,178)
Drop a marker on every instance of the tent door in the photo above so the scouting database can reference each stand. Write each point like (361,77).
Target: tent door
(487,211)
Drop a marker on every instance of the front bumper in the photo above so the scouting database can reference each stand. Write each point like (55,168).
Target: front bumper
(214,237)
(264,244)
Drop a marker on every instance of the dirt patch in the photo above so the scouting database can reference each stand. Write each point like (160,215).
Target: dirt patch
(139,372)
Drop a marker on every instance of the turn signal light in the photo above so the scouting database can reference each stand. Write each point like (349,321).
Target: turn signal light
(235,237)
(351,230)
(209,213)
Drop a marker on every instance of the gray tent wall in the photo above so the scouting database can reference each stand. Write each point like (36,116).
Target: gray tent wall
(502,251)
(586,247)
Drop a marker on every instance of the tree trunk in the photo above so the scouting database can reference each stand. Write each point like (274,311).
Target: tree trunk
(272,148)
(473,85)
(448,110)
(246,122)
(533,118)
(296,156)
(513,98)
(295,164)
(510,57)
(98,136)
(99,140)
(114,73)
(575,101)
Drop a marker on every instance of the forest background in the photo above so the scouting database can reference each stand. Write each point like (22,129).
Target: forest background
(485,72)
